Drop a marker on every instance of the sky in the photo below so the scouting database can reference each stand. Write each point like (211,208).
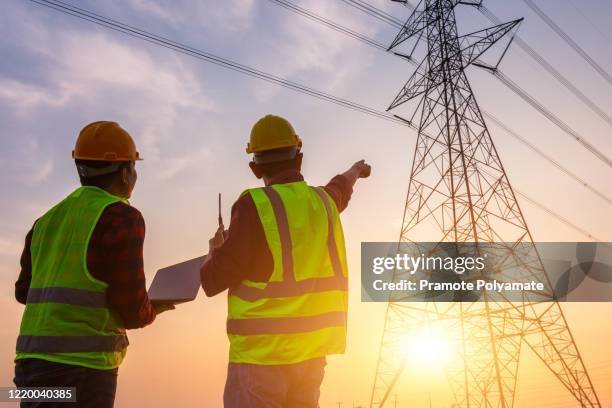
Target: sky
(191,122)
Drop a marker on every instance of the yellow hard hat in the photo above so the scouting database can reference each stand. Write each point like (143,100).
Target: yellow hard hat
(105,141)
(272,132)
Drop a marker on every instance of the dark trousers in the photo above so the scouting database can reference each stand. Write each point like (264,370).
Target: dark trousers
(94,388)
(274,386)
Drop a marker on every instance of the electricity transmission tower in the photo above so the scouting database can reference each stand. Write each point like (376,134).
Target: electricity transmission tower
(459,192)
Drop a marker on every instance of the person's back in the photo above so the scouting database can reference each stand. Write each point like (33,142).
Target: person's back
(82,277)
(284,263)
(304,235)
(52,328)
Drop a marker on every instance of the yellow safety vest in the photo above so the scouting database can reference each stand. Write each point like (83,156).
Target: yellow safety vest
(66,318)
(300,313)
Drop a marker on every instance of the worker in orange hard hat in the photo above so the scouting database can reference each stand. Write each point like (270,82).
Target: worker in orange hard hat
(284,262)
(82,279)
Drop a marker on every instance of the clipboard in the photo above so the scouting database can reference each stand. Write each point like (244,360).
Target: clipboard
(178,283)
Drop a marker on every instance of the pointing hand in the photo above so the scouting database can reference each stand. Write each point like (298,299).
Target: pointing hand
(363,169)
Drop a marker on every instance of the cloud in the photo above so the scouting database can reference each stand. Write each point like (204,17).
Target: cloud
(29,163)
(194,160)
(96,62)
(226,15)
(241,12)
(307,48)
(41,173)
(155,9)
(25,96)
(89,70)
(154,91)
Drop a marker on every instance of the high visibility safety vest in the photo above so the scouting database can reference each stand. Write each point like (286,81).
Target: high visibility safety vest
(300,313)
(66,318)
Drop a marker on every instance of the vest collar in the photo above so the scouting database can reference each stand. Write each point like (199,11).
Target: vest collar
(80,190)
(287,176)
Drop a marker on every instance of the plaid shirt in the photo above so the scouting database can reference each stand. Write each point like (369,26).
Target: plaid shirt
(114,256)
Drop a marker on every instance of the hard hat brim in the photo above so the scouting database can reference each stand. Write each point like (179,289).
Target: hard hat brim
(107,157)
(297,145)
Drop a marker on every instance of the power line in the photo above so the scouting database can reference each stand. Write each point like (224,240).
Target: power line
(369,41)
(568,40)
(559,217)
(225,63)
(532,100)
(607,39)
(336,27)
(552,117)
(550,69)
(374,12)
(548,158)
(206,56)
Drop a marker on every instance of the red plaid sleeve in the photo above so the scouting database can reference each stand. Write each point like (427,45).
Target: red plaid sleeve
(115,257)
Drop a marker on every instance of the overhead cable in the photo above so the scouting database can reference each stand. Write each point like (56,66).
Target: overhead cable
(568,40)
(206,56)
(551,70)
(547,66)
(552,117)
(203,55)
(369,41)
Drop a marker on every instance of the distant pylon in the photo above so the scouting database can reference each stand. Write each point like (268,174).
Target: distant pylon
(459,191)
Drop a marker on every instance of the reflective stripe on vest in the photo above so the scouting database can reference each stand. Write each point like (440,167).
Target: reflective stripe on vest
(71,344)
(274,325)
(289,286)
(68,296)
(284,289)
(331,241)
(67,319)
(283,230)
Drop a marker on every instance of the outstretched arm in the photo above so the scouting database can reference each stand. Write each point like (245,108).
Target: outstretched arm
(358,170)
(340,188)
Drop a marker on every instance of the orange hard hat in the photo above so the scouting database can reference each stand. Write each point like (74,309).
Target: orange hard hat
(105,141)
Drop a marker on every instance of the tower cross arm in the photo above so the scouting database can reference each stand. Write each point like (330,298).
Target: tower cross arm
(416,23)
(475,44)
(472,46)
(421,19)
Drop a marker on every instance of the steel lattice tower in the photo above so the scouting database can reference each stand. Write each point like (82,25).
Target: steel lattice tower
(459,191)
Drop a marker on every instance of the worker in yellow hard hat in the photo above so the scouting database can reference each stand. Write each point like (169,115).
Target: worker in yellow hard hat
(284,262)
(82,279)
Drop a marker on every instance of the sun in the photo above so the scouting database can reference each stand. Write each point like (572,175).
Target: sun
(429,346)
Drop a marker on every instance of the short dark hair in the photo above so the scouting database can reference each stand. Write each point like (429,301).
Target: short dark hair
(102,181)
(274,168)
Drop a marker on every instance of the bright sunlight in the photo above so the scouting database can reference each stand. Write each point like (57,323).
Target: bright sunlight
(429,346)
